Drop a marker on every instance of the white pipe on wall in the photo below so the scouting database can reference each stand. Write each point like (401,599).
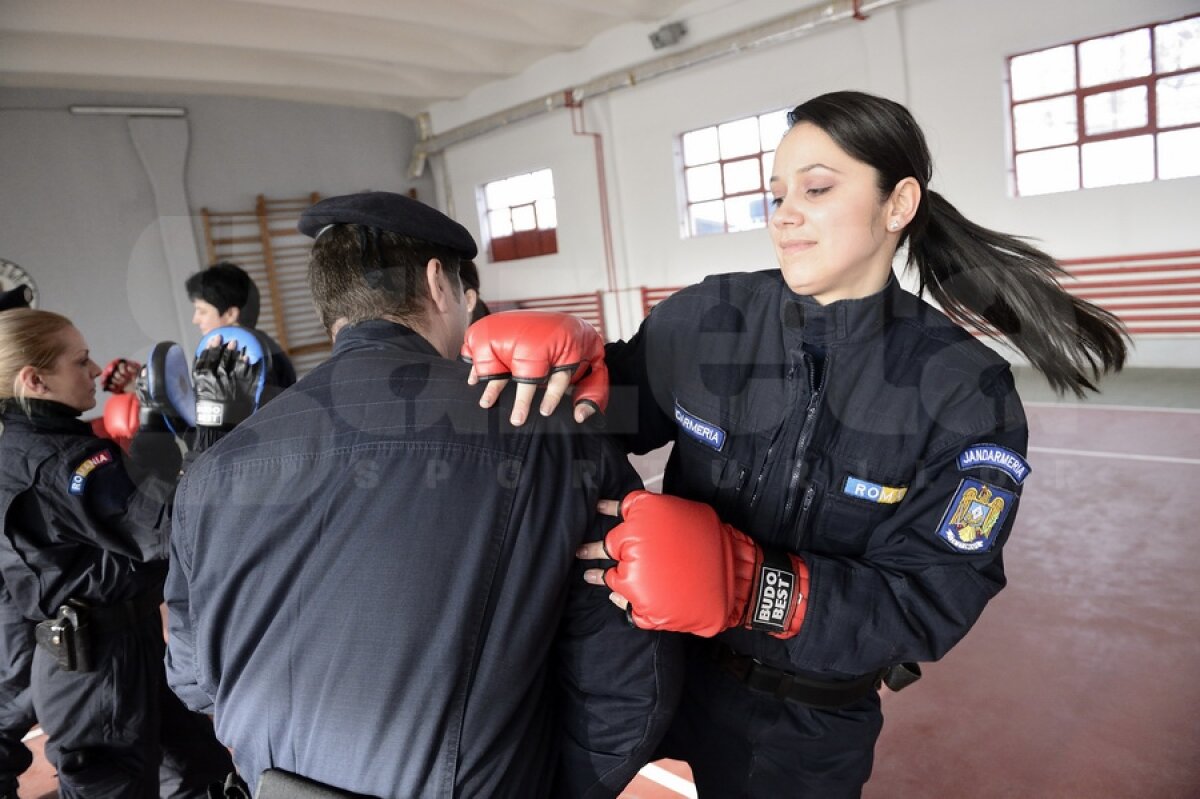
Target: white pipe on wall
(778,31)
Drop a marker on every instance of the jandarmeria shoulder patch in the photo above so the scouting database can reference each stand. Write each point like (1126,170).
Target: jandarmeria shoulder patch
(994,456)
(706,433)
(975,516)
(80,476)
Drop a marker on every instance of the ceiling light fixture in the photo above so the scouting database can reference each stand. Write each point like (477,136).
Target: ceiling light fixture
(127,110)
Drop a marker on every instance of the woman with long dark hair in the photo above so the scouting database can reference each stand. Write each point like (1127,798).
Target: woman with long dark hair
(848,460)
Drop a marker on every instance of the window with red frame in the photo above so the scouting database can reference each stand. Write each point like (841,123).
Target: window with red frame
(726,169)
(521,218)
(1109,110)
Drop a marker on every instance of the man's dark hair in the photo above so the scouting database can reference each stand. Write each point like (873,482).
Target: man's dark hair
(358,273)
(223,285)
(468,273)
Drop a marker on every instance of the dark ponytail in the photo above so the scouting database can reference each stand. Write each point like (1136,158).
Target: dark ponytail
(999,284)
(991,281)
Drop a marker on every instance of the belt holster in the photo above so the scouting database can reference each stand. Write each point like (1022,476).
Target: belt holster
(902,675)
(279,784)
(231,787)
(67,638)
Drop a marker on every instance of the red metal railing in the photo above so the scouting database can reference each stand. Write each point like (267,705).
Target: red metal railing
(1131,287)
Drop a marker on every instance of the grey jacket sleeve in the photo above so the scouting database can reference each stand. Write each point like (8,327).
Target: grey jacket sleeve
(181,643)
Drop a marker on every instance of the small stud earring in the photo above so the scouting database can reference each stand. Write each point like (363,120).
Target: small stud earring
(893,225)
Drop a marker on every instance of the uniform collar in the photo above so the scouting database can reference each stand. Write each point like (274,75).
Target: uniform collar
(382,334)
(841,322)
(42,415)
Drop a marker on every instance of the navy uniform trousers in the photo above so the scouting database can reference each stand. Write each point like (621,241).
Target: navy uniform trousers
(16,698)
(143,748)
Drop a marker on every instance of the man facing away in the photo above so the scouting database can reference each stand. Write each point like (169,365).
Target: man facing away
(372,579)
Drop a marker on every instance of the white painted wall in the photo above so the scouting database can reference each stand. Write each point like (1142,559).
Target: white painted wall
(103,211)
(80,211)
(944,58)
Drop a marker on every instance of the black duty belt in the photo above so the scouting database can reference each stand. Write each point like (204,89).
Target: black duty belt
(825,694)
(72,636)
(121,615)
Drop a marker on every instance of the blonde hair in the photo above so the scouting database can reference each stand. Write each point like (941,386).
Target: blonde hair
(28,337)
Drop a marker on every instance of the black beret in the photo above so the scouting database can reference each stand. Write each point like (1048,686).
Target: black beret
(19,297)
(393,212)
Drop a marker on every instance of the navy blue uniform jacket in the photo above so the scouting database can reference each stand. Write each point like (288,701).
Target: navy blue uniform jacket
(77,525)
(373,585)
(873,437)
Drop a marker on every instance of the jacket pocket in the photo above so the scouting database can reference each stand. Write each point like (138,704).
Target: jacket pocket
(845,523)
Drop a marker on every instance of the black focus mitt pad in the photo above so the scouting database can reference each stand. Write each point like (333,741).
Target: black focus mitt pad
(256,345)
(228,381)
(164,387)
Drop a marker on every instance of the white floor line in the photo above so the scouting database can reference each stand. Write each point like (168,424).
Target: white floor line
(671,782)
(34,733)
(1087,453)
(1094,407)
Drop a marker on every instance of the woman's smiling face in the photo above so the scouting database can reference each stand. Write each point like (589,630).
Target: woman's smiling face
(830,224)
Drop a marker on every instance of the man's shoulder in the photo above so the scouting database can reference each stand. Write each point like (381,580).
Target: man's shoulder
(380,397)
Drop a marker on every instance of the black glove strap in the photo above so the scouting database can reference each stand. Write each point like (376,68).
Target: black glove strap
(775,592)
(225,387)
(214,413)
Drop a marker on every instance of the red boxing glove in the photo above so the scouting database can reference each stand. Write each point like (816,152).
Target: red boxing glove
(529,346)
(121,421)
(117,375)
(683,569)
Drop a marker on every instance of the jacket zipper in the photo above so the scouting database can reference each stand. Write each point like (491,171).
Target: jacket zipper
(809,493)
(762,473)
(810,418)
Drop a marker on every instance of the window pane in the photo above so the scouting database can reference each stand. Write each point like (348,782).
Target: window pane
(547,214)
(521,189)
(1120,110)
(1177,45)
(523,218)
(497,193)
(543,184)
(703,182)
(1111,163)
(1178,100)
(742,176)
(1126,55)
(1044,72)
(771,128)
(768,162)
(707,218)
(1045,122)
(745,213)
(1048,171)
(1179,153)
(700,147)
(499,223)
(739,138)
